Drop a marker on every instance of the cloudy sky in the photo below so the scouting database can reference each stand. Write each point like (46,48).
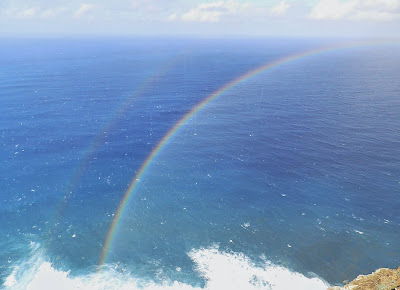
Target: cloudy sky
(331,18)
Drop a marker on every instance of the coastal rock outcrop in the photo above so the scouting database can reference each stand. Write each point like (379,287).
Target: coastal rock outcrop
(381,279)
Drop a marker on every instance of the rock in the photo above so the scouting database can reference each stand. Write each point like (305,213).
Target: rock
(381,279)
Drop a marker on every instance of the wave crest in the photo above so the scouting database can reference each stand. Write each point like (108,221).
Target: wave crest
(220,269)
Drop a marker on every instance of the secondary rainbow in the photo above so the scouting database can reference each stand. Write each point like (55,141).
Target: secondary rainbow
(109,126)
(129,192)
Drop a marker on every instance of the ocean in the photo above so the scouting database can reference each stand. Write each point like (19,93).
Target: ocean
(196,163)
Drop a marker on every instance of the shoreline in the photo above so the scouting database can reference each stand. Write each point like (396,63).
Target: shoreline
(382,279)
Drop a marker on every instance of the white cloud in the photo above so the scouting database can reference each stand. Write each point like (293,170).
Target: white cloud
(83,10)
(376,16)
(172,17)
(33,13)
(48,13)
(332,9)
(155,6)
(374,10)
(51,12)
(26,13)
(280,9)
(384,4)
(212,12)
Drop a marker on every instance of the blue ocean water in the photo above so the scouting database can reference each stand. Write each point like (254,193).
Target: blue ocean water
(291,177)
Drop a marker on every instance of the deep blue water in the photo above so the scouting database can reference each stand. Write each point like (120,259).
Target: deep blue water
(293,171)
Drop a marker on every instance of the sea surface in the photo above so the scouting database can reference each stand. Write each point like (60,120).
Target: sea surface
(287,178)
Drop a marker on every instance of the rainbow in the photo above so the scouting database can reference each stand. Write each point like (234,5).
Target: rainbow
(109,126)
(145,165)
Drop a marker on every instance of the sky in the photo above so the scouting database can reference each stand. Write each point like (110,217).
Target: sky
(278,18)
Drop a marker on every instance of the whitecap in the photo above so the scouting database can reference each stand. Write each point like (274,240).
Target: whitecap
(220,270)
(230,270)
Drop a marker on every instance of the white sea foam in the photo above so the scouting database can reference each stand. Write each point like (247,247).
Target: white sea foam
(228,270)
(220,269)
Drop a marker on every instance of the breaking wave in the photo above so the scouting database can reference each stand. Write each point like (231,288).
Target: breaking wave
(220,270)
